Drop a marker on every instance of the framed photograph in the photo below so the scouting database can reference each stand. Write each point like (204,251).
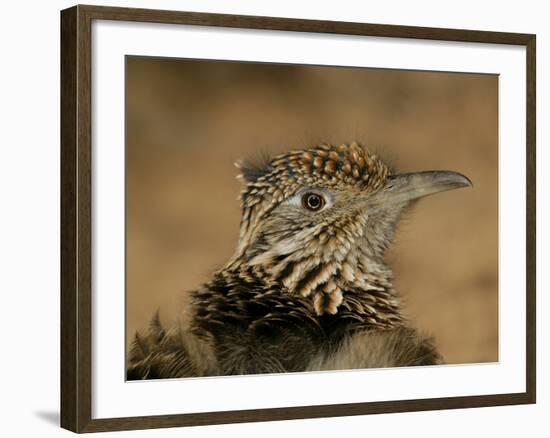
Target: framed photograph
(270,218)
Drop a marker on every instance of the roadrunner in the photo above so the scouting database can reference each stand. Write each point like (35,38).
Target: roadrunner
(307,288)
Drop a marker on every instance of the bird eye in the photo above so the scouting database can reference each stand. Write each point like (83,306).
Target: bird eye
(313,201)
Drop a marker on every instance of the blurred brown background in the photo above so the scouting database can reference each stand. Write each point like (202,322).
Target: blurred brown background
(189,121)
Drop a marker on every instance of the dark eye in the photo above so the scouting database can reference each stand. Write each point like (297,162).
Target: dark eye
(313,201)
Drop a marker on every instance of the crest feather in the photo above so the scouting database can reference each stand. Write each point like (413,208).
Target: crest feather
(252,169)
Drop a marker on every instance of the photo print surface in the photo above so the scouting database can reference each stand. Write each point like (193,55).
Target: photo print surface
(296,218)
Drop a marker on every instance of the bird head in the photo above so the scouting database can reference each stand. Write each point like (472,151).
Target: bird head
(318,221)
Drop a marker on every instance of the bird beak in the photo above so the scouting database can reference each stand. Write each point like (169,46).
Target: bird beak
(406,187)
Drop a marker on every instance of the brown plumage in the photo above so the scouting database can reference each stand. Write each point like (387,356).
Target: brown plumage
(307,287)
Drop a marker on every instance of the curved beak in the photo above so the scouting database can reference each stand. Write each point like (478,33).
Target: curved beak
(406,187)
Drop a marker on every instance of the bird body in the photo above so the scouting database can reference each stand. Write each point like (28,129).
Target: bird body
(307,287)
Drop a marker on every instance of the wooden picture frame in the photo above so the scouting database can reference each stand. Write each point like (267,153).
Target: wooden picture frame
(76,217)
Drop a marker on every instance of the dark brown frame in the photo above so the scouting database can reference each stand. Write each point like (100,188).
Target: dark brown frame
(76,238)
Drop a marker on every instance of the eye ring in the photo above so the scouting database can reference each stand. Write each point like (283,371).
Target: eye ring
(313,201)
